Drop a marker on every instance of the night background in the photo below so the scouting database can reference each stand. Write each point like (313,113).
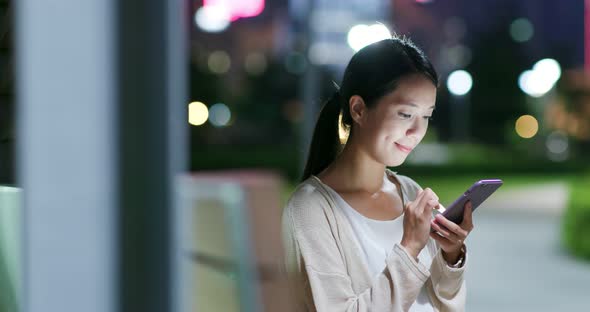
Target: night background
(513,103)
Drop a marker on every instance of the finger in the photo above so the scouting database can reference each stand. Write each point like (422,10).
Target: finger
(440,229)
(431,204)
(426,196)
(415,202)
(443,241)
(446,233)
(434,194)
(467,223)
(452,226)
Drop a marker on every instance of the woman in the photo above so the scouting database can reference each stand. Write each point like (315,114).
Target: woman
(358,236)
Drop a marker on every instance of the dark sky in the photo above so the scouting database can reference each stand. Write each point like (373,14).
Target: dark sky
(559,25)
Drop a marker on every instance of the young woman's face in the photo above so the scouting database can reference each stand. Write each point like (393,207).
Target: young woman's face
(399,120)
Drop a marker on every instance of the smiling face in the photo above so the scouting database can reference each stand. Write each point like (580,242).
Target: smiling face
(397,122)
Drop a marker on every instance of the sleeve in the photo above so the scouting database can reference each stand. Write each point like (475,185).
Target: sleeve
(447,285)
(321,272)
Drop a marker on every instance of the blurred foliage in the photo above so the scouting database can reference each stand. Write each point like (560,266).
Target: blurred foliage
(576,221)
(468,160)
(450,186)
(283,159)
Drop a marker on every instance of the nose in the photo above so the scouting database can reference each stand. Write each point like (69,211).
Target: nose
(416,127)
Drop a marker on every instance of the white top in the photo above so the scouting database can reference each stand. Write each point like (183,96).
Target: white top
(377,239)
(328,271)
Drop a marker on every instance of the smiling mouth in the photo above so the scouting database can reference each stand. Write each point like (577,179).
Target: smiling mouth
(403,148)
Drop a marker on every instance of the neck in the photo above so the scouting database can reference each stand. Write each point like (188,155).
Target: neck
(354,170)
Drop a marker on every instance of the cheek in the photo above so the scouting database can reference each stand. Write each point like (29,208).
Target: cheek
(394,132)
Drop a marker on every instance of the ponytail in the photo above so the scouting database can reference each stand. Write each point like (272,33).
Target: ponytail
(325,144)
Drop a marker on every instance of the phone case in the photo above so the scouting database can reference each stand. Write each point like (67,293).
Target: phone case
(477,194)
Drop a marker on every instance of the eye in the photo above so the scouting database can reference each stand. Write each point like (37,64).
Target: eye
(429,118)
(404,115)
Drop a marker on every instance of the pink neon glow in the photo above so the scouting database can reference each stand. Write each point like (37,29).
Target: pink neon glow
(238,8)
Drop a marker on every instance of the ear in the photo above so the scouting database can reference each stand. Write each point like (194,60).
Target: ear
(358,109)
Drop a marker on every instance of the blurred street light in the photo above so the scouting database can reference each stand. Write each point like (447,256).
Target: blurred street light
(521,30)
(538,81)
(197,113)
(219,62)
(557,146)
(527,126)
(216,15)
(212,18)
(549,68)
(238,8)
(360,36)
(459,82)
(219,115)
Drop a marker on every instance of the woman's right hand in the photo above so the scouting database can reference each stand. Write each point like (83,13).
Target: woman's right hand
(417,216)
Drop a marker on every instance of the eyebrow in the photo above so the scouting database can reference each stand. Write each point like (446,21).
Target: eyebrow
(414,105)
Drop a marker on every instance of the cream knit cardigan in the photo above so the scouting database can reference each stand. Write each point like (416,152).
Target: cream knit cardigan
(327,270)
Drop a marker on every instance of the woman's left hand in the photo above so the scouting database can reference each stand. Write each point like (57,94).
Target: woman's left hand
(451,236)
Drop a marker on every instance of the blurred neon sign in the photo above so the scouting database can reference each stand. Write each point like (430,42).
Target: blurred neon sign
(238,8)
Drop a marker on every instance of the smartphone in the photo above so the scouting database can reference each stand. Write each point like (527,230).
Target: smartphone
(477,194)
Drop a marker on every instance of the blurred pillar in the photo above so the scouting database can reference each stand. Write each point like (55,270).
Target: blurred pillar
(67,127)
(101,91)
(152,60)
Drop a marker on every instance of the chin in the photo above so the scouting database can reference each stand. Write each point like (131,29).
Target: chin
(395,161)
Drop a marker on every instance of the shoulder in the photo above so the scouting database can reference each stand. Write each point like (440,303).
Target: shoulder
(309,205)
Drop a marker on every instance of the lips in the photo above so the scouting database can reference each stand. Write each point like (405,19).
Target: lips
(403,148)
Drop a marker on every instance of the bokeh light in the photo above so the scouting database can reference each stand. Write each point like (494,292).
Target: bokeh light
(538,81)
(219,115)
(459,82)
(212,18)
(219,62)
(197,113)
(526,126)
(548,68)
(557,144)
(238,9)
(521,30)
(360,36)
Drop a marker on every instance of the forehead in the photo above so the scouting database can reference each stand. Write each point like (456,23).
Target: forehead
(415,90)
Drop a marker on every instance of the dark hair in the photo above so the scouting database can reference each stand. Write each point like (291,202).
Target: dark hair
(373,72)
